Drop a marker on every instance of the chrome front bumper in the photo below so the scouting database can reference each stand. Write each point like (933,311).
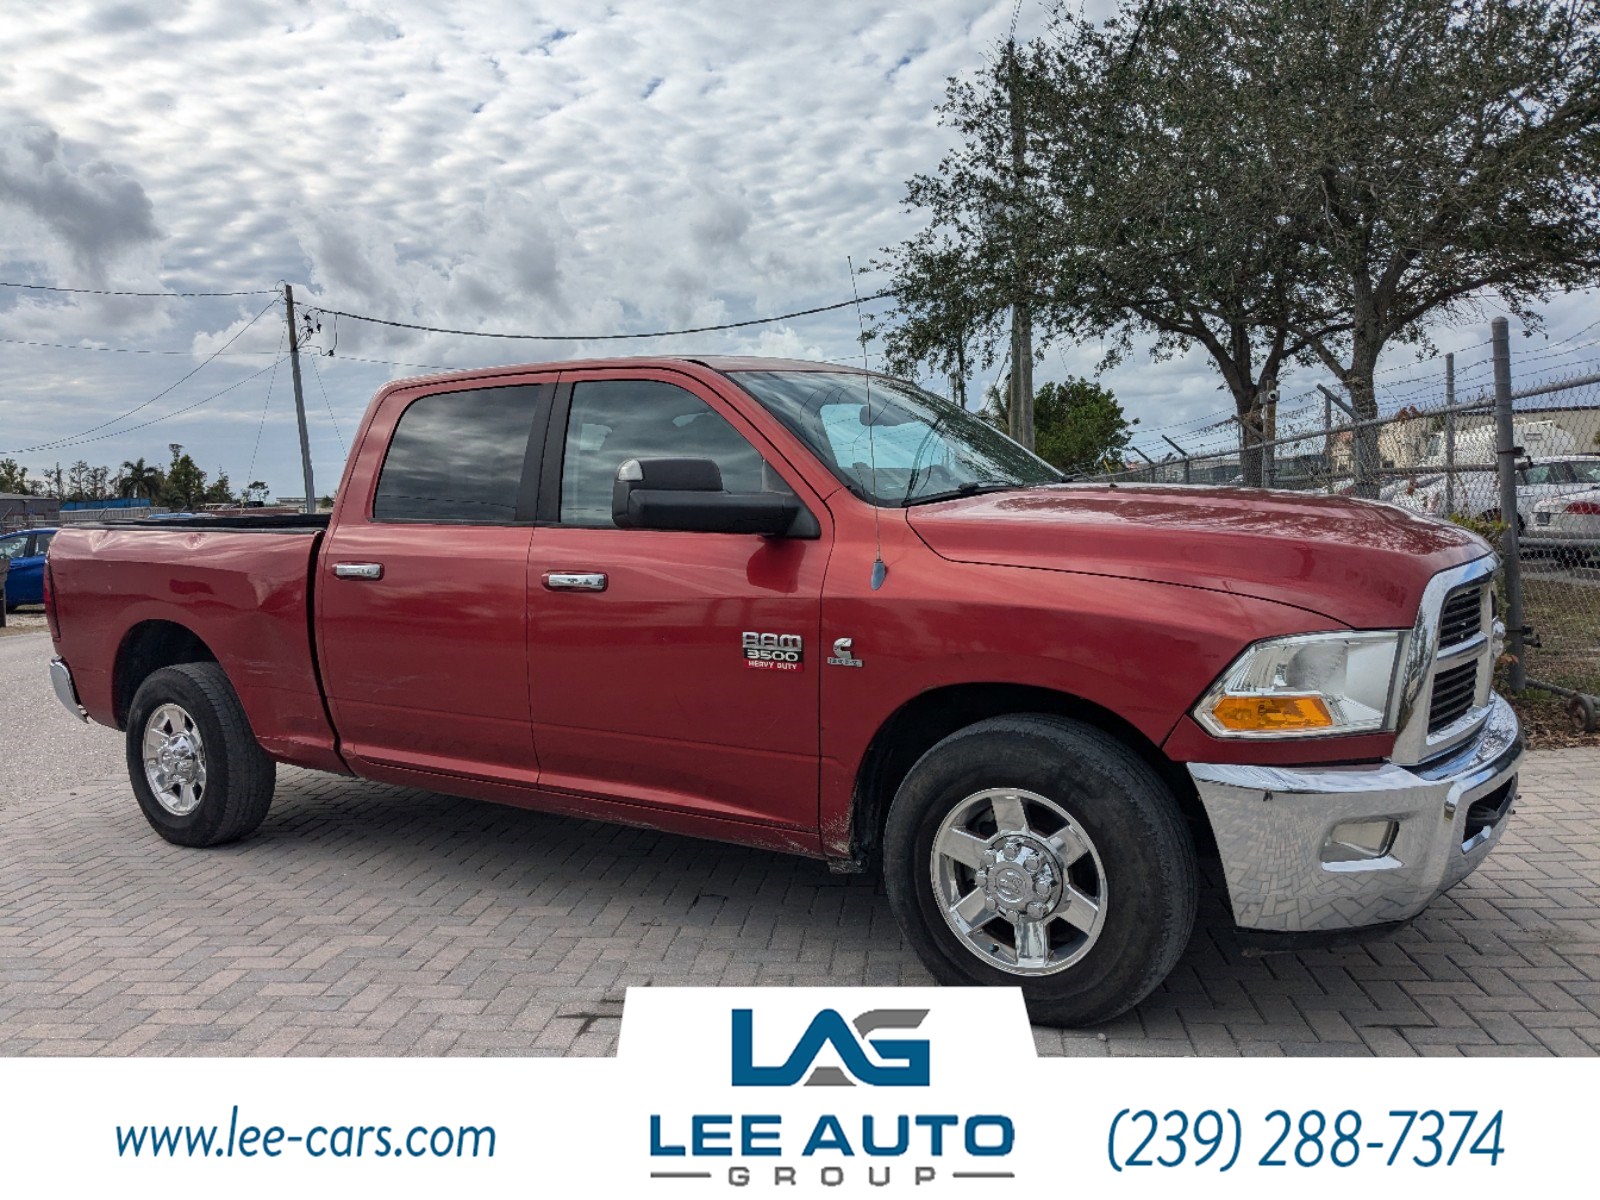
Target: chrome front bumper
(1273,827)
(66,690)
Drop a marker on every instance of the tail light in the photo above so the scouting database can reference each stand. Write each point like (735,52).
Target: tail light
(1584,508)
(50,601)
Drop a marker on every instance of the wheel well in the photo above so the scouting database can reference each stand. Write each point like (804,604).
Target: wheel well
(145,649)
(928,719)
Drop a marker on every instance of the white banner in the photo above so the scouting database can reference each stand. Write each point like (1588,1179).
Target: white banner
(794,1092)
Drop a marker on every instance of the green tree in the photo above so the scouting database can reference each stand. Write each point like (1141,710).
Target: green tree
(1078,425)
(138,479)
(220,490)
(1130,227)
(255,492)
(959,284)
(1270,181)
(14,478)
(79,486)
(1430,152)
(184,486)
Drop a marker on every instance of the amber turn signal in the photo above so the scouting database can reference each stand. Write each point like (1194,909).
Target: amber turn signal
(1246,714)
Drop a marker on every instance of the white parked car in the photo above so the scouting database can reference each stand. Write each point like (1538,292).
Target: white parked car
(1569,525)
(1477,490)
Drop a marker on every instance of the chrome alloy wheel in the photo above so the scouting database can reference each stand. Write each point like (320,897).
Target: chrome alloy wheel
(174,760)
(1019,881)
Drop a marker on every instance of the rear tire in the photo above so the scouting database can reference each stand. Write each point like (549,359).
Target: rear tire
(1061,851)
(200,776)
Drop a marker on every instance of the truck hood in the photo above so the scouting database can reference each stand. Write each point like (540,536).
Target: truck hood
(1359,562)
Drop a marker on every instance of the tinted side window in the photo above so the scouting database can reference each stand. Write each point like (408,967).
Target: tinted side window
(41,542)
(458,458)
(613,421)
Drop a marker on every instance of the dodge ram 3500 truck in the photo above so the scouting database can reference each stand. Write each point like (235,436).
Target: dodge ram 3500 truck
(817,610)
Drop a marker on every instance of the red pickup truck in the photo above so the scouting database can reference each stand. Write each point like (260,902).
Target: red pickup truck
(821,611)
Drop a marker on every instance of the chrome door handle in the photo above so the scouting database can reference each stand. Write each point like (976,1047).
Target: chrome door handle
(358,570)
(575,581)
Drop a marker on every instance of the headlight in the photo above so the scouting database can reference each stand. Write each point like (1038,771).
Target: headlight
(1309,685)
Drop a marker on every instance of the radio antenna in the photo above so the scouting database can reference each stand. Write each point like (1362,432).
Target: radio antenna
(880,572)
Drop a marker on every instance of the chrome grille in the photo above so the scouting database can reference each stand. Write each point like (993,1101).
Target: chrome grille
(1462,617)
(1445,691)
(1453,693)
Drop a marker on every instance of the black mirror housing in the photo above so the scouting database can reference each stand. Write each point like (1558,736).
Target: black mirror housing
(685,495)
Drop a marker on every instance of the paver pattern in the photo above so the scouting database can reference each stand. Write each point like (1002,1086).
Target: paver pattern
(370,920)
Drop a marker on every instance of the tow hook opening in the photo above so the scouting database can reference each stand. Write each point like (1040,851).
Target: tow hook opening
(1488,812)
(1360,841)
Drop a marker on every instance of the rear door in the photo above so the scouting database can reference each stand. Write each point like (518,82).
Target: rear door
(642,690)
(32,589)
(12,548)
(25,580)
(422,586)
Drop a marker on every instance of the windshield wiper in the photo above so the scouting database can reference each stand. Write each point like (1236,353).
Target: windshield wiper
(977,487)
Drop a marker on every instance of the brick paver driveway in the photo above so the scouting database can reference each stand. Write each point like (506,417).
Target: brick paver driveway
(369,920)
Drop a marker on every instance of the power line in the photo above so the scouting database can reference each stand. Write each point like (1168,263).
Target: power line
(119,349)
(164,417)
(71,439)
(40,287)
(593,337)
(317,371)
(250,471)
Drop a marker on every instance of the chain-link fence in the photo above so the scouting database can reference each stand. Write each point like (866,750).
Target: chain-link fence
(1476,445)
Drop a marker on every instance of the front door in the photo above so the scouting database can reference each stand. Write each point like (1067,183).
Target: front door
(422,590)
(642,688)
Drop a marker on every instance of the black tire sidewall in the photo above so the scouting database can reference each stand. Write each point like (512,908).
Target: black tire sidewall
(173,685)
(1126,810)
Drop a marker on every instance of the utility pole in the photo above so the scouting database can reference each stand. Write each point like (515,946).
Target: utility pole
(299,400)
(1021,312)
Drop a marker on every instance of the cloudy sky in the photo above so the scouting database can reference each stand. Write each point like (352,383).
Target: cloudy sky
(514,166)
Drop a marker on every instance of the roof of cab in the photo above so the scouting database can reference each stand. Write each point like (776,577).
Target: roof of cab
(745,362)
(721,363)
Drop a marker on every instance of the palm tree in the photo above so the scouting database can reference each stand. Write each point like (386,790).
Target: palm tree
(140,480)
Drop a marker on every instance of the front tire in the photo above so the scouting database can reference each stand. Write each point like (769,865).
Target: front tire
(1040,852)
(200,776)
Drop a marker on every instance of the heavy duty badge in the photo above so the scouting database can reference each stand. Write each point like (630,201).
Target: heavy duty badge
(773,651)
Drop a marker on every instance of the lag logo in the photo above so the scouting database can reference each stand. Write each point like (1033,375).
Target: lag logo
(901,1062)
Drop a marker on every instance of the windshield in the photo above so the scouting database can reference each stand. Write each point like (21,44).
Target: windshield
(891,443)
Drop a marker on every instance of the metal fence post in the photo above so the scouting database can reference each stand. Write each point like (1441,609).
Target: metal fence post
(1506,466)
(1327,438)
(1449,434)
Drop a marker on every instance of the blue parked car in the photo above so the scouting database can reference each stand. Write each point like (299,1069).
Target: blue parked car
(25,580)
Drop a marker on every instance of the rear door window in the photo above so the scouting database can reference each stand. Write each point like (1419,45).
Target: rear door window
(459,458)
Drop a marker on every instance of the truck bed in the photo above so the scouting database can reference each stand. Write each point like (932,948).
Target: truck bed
(240,586)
